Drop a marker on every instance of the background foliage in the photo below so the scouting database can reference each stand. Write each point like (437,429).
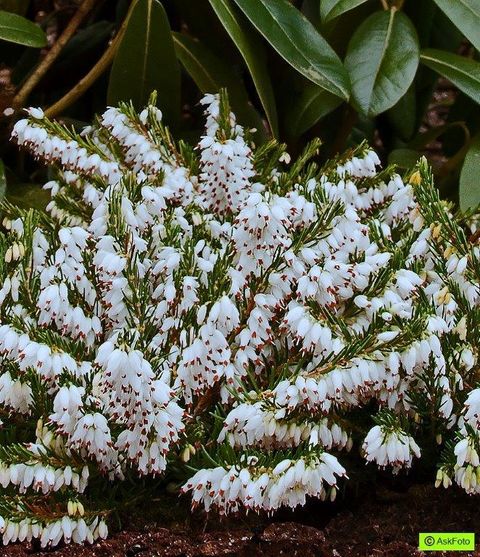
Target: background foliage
(343,70)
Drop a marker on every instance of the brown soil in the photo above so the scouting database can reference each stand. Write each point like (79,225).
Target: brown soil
(381,524)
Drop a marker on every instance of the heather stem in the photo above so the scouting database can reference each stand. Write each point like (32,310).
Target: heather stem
(22,95)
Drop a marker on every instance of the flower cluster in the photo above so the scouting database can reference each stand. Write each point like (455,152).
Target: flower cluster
(390,448)
(225,307)
(67,529)
(288,483)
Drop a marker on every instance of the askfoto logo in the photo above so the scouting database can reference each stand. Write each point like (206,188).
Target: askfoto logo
(446,541)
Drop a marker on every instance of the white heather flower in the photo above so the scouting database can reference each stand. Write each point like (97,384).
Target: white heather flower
(67,407)
(36,113)
(224,315)
(390,447)
(472,407)
(93,434)
(288,483)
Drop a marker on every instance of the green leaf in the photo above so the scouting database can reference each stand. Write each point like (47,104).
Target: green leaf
(212,73)
(465,15)
(462,72)
(17,29)
(382,60)
(252,51)
(308,108)
(87,40)
(403,116)
(209,72)
(403,158)
(331,9)
(145,61)
(28,196)
(298,42)
(423,16)
(469,178)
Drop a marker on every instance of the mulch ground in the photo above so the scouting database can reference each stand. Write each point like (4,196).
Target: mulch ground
(381,524)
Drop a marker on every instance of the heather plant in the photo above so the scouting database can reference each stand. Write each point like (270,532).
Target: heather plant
(228,319)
